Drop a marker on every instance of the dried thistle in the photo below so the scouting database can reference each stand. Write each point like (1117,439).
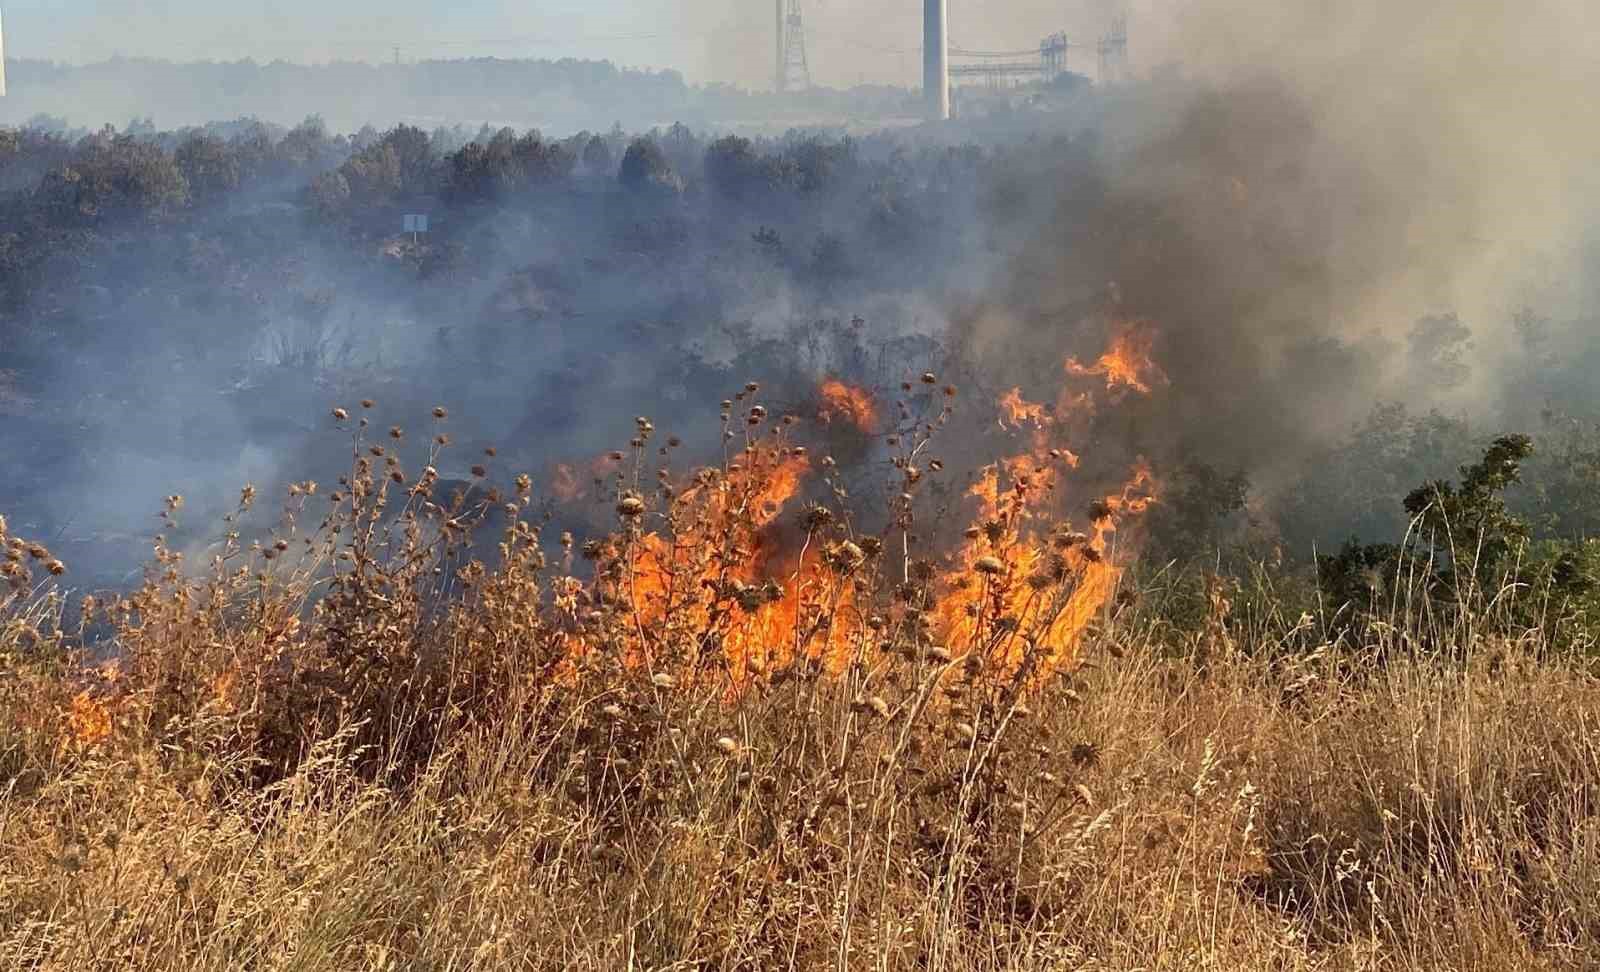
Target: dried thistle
(631,505)
(990,565)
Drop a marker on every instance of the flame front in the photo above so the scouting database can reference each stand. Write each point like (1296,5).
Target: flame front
(720,572)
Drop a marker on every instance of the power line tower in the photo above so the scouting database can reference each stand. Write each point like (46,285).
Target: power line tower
(1114,53)
(794,71)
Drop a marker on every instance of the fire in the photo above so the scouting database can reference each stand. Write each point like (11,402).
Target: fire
(1019,412)
(1023,597)
(716,575)
(1026,599)
(1127,364)
(779,486)
(718,572)
(847,403)
(88,720)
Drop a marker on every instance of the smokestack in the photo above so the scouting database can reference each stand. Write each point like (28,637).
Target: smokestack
(936,57)
(777,84)
(2,55)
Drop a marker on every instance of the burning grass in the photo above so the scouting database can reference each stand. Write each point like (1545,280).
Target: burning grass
(745,726)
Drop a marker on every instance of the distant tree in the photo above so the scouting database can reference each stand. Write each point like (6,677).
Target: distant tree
(373,176)
(255,146)
(308,146)
(597,158)
(365,138)
(1470,523)
(209,165)
(734,170)
(1561,496)
(645,166)
(413,151)
(1351,487)
(682,148)
(1438,347)
(114,176)
(1198,501)
(542,162)
(329,193)
(474,175)
(1466,550)
(480,172)
(400,164)
(817,163)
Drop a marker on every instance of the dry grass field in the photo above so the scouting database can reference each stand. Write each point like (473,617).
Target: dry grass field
(740,732)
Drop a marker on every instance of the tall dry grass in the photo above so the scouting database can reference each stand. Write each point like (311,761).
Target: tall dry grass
(355,744)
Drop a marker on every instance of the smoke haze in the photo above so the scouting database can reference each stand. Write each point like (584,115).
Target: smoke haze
(1315,208)
(1316,180)
(708,40)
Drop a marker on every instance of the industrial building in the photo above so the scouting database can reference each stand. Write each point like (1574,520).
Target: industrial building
(991,69)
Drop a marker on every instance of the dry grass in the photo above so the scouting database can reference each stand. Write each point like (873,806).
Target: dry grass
(353,745)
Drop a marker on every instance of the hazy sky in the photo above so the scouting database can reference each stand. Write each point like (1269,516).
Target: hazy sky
(709,40)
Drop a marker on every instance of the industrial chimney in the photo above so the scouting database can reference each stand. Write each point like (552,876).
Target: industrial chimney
(2,56)
(782,75)
(936,57)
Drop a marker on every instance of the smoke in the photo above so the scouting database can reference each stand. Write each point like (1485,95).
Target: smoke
(1299,187)
(1315,208)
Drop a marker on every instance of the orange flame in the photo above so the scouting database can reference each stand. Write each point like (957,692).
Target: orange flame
(714,576)
(1010,594)
(1019,412)
(1127,363)
(1019,592)
(847,403)
(88,720)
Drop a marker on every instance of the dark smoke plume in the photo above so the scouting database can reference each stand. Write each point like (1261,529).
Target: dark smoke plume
(1317,207)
